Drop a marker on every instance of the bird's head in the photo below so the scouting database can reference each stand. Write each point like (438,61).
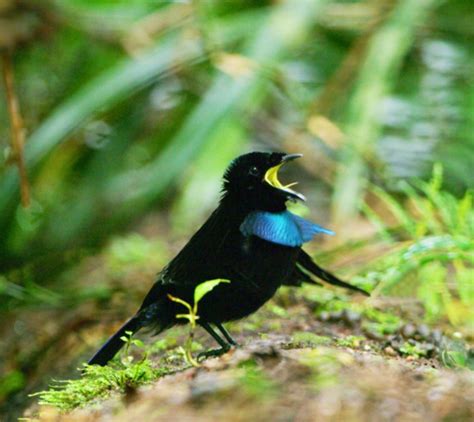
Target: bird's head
(252,180)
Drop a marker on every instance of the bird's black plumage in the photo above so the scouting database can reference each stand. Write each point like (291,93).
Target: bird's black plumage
(250,239)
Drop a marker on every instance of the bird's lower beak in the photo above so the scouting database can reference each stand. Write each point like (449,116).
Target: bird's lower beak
(271,177)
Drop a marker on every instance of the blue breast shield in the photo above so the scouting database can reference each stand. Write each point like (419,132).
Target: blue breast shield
(283,228)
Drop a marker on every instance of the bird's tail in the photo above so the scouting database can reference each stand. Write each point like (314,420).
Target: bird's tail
(115,343)
(309,265)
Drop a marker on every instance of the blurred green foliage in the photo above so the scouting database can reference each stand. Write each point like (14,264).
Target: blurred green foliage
(124,100)
(137,106)
(431,252)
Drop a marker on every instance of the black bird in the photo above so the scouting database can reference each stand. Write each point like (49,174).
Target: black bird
(251,239)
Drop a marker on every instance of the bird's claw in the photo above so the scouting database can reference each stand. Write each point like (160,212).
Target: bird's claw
(212,353)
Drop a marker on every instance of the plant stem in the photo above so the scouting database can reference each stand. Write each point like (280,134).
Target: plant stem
(16,124)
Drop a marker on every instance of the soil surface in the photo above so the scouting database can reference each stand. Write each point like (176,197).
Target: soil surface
(267,381)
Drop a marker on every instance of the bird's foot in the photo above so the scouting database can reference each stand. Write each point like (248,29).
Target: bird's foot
(212,353)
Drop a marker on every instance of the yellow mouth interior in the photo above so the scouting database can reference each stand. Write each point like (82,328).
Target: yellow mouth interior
(271,177)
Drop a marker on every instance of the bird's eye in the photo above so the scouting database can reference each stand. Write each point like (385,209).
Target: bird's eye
(254,171)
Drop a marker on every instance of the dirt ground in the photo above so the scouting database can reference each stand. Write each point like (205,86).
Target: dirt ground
(312,370)
(267,381)
(300,359)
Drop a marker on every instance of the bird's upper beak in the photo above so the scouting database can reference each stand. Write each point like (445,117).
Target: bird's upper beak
(271,177)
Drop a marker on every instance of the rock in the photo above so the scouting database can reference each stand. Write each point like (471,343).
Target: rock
(390,351)
(437,336)
(324,316)
(423,331)
(351,317)
(336,316)
(408,331)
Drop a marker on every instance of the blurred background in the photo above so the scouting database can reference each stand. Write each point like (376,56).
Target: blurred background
(130,110)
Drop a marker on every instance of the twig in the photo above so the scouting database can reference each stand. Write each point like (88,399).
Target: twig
(16,125)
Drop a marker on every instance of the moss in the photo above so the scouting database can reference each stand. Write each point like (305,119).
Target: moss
(325,364)
(97,383)
(350,341)
(307,339)
(255,382)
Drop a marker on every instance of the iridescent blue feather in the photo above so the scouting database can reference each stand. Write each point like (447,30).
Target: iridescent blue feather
(283,228)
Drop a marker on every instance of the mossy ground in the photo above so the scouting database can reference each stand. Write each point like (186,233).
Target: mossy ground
(276,379)
(297,362)
(310,353)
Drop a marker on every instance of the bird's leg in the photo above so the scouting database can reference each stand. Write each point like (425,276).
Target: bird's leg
(216,336)
(226,334)
(225,347)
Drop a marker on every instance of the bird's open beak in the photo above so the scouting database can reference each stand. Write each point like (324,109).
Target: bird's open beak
(271,177)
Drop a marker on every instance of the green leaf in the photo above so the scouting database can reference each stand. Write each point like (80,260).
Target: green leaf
(138,343)
(104,91)
(398,211)
(204,288)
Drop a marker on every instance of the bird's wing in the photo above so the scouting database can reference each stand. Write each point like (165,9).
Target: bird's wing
(156,292)
(299,277)
(305,262)
(201,259)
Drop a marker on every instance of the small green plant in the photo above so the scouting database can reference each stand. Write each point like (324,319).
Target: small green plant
(414,350)
(458,358)
(97,382)
(330,304)
(381,322)
(192,316)
(11,381)
(430,252)
(129,342)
